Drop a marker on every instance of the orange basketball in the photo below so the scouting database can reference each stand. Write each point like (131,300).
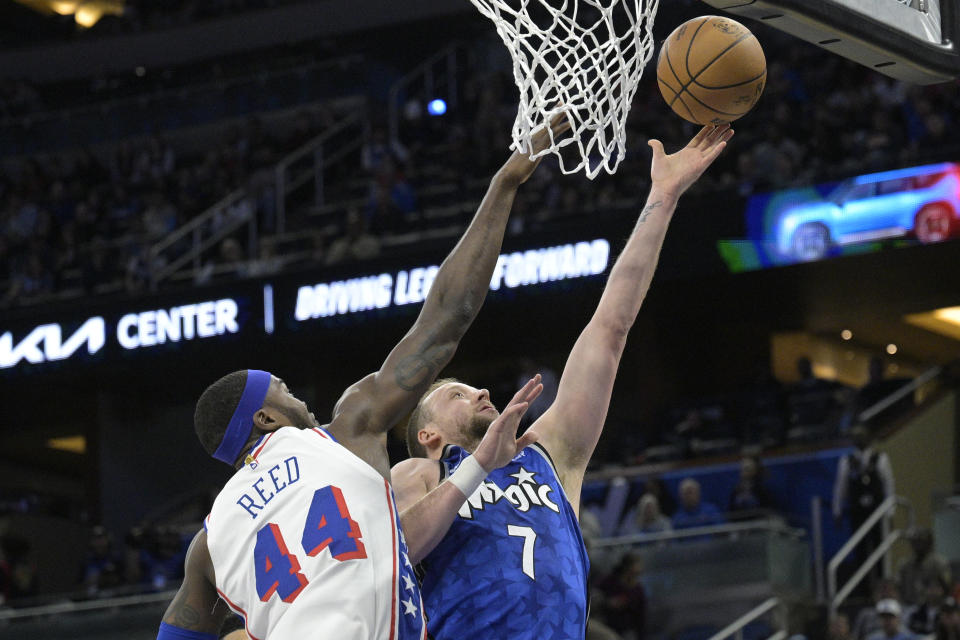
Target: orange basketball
(711,70)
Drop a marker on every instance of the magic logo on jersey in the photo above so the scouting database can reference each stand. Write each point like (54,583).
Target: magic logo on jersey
(523,494)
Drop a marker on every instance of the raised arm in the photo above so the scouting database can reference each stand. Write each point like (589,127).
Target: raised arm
(570,428)
(377,402)
(197,607)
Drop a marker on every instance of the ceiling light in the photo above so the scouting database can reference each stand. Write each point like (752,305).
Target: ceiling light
(87,15)
(945,321)
(846,334)
(891,348)
(64,7)
(72,444)
(948,314)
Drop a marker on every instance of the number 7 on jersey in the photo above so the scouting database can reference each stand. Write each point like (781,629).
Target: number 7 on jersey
(529,538)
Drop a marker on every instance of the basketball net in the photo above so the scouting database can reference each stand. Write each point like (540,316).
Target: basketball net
(583,58)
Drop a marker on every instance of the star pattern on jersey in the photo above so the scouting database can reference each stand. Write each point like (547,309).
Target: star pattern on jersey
(406,559)
(407,582)
(523,475)
(403,538)
(409,608)
(475,585)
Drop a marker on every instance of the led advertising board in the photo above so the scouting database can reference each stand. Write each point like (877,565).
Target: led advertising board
(409,286)
(249,309)
(139,329)
(858,215)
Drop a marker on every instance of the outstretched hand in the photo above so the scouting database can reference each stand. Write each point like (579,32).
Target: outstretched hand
(675,173)
(520,167)
(500,444)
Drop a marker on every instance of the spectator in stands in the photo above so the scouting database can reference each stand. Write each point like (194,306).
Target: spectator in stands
(656,487)
(891,629)
(750,498)
(162,561)
(763,409)
(356,244)
(645,517)
(391,199)
(97,265)
(378,152)
(268,263)
(18,573)
(103,567)
(814,405)
(922,568)
(839,627)
(868,620)
(693,512)
(30,279)
(624,602)
(922,618)
(864,481)
(948,626)
(137,274)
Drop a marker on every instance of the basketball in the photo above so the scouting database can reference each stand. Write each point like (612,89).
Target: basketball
(711,70)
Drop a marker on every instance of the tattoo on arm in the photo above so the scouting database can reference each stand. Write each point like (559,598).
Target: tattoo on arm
(647,210)
(186,617)
(181,614)
(419,369)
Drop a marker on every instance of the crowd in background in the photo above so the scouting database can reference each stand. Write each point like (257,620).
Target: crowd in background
(920,602)
(84,221)
(822,118)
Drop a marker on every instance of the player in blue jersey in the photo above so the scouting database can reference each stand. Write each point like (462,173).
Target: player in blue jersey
(238,415)
(512,563)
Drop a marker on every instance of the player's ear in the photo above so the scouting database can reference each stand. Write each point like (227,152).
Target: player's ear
(266,419)
(429,438)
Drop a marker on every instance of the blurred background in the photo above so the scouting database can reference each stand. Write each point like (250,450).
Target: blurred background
(188,188)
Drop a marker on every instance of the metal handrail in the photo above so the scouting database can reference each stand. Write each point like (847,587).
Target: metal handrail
(321,160)
(194,227)
(188,227)
(87,605)
(885,509)
(769,524)
(864,569)
(736,627)
(884,404)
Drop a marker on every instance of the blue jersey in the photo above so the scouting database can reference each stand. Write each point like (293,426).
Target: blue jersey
(513,564)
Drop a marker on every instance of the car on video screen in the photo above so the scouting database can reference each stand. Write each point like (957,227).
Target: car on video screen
(922,201)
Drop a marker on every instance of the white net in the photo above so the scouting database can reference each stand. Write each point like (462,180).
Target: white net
(583,58)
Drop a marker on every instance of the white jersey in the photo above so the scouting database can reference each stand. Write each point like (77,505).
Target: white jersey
(306,543)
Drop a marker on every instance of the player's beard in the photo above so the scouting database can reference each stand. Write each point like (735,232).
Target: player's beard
(475,429)
(305,420)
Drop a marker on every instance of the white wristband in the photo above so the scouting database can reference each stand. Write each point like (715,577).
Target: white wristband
(468,476)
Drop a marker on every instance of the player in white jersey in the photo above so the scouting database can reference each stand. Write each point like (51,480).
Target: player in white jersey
(300,549)
(298,494)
